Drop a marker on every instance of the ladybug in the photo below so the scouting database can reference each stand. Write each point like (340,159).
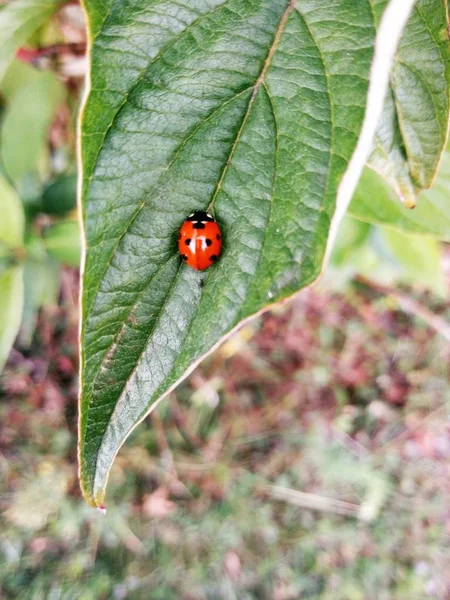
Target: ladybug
(200,241)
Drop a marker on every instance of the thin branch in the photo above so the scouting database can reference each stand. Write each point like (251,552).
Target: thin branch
(410,305)
(312,501)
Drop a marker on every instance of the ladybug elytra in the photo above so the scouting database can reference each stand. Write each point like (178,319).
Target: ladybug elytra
(200,241)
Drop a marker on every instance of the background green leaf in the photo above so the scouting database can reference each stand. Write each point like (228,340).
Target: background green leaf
(386,256)
(62,241)
(18,75)
(412,131)
(353,234)
(375,202)
(41,290)
(419,258)
(11,279)
(19,19)
(60,195)
(11,302)
(24,129)
(12,218)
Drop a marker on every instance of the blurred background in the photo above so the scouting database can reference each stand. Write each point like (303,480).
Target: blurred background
(309,457)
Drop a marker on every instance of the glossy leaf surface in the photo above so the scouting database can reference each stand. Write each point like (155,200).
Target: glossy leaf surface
(251,109)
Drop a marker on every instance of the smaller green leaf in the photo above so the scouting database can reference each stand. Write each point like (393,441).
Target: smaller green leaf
(12,217)
(376,202)
(360,249)
(18,75)
(30,191)
(60,196)
(386,256)
(62,241)
(7,259)
(42,284)
(350,253)
(412,131)
(419,259)
(26,123)
(18,21)
(11,302)
(352,236)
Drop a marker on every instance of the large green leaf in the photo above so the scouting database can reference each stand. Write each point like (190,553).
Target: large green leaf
(11,302)
(19,19)
(412,131)
(375,202)
(97,13)
(252,108)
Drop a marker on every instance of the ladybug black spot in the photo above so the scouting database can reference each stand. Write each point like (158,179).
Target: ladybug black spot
(184,256)
(199,225)
(213,257)
(218,237)
(208,242)
(188,241)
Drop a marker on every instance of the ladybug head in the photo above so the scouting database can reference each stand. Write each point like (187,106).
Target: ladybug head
(200,216)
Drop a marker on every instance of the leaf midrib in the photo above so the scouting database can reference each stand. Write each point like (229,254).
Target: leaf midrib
(186,140)
(137,212)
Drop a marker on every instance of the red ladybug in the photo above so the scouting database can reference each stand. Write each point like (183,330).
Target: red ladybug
(199,241)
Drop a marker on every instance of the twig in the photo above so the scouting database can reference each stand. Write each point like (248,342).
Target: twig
(163,444)
(347,442)
(411,306)
(193,441)
(312,501)
(406,433)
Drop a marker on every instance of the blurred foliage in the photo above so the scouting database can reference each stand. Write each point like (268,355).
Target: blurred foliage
(11,294)
(25,125)
(38,230)
(20,21)
(375,202)
(341,397)
(60,196)
(388,256)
